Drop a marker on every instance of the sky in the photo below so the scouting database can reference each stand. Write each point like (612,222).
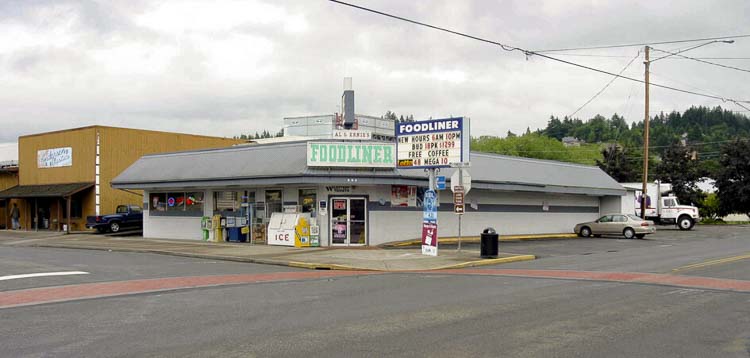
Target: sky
(227,68)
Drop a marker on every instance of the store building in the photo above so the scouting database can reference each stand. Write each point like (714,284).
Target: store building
(69,171)
(355,194)
(8,179)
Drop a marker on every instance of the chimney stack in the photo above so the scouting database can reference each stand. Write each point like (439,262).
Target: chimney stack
(347,103)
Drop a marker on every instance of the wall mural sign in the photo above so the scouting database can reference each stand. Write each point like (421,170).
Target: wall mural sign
(359,155)
(436,143)
(54,158)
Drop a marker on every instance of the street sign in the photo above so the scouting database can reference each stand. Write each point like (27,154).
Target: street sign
(461,177)
(440,182)
(458,198)
(458,209)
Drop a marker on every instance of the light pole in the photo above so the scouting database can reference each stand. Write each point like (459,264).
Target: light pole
(647,63)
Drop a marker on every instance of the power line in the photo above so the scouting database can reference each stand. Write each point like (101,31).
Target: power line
(642,44)
(605,86)
(534,53)
(714,58)
(589,55)
(702,61)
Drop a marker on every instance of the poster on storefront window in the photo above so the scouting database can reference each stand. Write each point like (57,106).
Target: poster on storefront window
(339,231)
(339,205)
(404,195)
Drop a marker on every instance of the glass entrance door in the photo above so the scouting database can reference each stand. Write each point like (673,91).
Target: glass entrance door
(348,221)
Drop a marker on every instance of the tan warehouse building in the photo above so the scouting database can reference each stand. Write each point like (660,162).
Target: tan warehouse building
(69,171)
(8,179)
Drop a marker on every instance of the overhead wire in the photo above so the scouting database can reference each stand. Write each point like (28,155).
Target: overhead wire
(700,60)
(606,86)
(643,44)
(529,53)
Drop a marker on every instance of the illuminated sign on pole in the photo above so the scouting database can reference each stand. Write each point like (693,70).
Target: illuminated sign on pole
(435,143)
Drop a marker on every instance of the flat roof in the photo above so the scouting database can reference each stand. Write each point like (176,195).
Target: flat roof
(123,128)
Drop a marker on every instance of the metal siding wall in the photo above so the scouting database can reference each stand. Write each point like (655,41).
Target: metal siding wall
(172,227)
(81,140)
(8,180)
(398,226)
(122,147)
(610,205)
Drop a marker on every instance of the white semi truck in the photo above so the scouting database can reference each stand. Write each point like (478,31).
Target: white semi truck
(665,209)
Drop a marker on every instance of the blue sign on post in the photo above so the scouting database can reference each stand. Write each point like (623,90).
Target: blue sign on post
(430,206)
(440,182)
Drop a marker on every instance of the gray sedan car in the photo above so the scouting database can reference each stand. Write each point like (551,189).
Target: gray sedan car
(629,226)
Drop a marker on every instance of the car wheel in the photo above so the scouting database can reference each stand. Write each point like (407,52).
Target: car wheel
(101,229)
(114,226)
(629,233)
(585,231)
(685,222)
(640,236)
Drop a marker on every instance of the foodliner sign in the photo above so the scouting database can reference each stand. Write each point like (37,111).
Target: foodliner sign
(432,144)
(361,155)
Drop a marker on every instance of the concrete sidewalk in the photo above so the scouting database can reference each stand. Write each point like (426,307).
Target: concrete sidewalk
(374,259)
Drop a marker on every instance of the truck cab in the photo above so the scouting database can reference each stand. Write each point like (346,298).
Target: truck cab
(668,211)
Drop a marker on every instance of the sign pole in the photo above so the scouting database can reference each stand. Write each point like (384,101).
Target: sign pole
(459,232)
(461,184)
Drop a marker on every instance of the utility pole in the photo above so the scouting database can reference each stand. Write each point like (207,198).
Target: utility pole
(645,143)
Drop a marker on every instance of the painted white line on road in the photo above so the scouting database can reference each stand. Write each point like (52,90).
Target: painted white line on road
(42,274)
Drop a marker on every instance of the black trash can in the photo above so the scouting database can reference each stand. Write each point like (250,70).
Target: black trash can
(488,244)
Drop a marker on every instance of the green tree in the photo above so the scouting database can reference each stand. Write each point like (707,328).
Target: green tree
(616,163)
(710,206)
(733,178)
(678,168)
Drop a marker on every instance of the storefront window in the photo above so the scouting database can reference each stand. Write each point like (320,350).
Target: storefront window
(249,197)
(194,202)
(226,201)
(308,200)
(176,204)
(158,202)
(273,202)
(76,207)
(175,201)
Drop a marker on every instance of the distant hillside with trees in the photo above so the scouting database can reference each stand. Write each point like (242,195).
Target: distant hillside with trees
(684,147)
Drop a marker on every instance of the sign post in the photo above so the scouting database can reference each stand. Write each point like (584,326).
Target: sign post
(461,184)
(429,223)
(429,145)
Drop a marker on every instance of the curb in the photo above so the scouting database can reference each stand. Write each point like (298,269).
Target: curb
(476,239)
(487,262)
(170,253)
(295,264)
